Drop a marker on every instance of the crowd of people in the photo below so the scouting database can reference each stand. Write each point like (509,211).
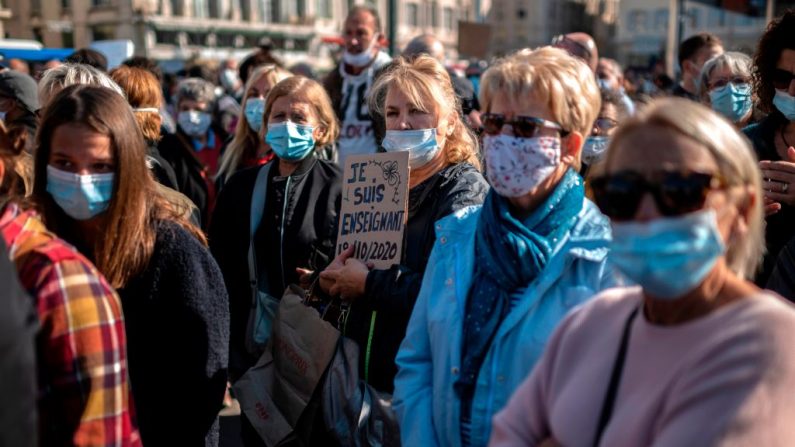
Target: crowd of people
(583,263)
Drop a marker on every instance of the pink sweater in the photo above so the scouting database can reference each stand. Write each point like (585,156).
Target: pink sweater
(725,379)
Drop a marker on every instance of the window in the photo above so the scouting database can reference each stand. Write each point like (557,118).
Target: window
(167,37)
(693,18)
(67,39)
(716,17)
(412,14)
(100,3)
(447,18)
(661,19)
(434,14)
(66,4)
(200,8)
(35,7)
(176,8)
(636,21)
(103,32)
(324,8)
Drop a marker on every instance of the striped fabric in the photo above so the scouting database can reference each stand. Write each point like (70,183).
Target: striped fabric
(84,395)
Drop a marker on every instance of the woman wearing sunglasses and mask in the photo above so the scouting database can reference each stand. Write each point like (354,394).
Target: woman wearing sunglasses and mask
(502,276)
(695,354)
(95,190)
(774,136)
(421,113)
(725,86)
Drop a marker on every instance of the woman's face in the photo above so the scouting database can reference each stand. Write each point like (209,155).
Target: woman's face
(260,88)
(786,62)
(402,114)
(641,152)
(187,105)
(78,149)
(296,109)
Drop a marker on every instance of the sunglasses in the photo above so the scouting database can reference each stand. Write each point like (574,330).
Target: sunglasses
(723,82)
(573,47)
(523,126)
(604,124)
(782,78)
(675,192)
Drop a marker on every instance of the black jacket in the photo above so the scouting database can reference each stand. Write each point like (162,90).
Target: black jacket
(177,320)
(161,169)
(393,292)
(310,232)
(780,227)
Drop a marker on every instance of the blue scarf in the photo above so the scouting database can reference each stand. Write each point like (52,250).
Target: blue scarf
(509,255)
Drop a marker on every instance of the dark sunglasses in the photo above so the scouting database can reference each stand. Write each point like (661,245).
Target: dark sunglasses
(782,78)
(675,192)
(604,124)
(523,126)
(723,82)
(575,48)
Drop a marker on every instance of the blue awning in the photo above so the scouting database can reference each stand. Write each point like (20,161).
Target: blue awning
(44,54)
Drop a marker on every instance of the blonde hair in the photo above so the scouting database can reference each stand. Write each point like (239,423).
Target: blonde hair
(426,83)
(245,141)
(64,75)
(563,83)
(314,94)
(732,153)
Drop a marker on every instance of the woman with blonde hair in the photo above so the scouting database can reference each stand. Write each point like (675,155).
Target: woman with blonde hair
(695,354)
(271,220)
(247,149)
(421,113)
(93,186)
(502,275)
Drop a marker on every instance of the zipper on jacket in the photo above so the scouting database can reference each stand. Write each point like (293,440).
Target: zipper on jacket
(281,230)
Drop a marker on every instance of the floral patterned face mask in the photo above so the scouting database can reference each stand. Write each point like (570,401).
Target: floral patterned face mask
(515,165)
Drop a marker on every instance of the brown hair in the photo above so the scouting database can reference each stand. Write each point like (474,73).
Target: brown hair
(18,172)
(129,228)
(423,80)
(143,91)
(777,38)
(316,95)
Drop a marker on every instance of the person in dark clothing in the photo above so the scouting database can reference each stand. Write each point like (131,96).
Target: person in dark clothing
(171,289)
(444,178)
(195,149)
(19,104)
(300,196)
(774,136)
(693,53)
(18,368)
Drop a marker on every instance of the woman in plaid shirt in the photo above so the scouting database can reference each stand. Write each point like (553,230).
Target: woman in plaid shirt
(84,395)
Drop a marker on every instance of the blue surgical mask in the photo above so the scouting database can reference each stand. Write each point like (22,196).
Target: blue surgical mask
(732,101)
(594,149)
(290,141)
(669,256)
(194,123)
(81,197)
(785,103)
(255,107)
(421,145)
(602,84)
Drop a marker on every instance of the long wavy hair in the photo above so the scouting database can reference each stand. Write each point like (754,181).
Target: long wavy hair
(777,38)
(126,239)
(428,86)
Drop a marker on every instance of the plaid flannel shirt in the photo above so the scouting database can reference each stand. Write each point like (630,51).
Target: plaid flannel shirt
(84,396)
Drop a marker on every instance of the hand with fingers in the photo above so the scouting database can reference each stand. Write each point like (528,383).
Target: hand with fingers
(345,277)
(779,182)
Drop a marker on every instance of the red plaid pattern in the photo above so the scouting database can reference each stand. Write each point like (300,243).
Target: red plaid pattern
(84,396)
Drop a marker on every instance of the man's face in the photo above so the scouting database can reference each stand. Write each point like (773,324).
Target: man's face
(702,56)
(607,72)
(359,32)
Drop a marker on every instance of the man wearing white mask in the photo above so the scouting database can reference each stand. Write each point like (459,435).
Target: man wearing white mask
(349,84)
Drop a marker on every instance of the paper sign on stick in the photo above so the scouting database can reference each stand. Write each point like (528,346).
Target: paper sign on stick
(374,201)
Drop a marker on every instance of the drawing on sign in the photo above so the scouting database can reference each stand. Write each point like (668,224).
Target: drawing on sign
(373,214)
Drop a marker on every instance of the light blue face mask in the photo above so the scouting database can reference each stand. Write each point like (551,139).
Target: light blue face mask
(732,101)
(421,145)
(255,107)
(594,149)
(785,103)
(290,141)
(81,197)
(669,256)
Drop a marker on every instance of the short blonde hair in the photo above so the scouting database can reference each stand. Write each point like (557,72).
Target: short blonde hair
(316,95)
(732,153)
(64,75)
(738,63)
(245,141)
(422,79)
(565,84)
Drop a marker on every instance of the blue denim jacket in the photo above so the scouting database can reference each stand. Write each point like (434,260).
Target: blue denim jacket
(430,355)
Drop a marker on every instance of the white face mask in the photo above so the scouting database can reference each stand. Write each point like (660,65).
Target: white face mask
(594,148)
(421,145)
(515,165)
(361,59)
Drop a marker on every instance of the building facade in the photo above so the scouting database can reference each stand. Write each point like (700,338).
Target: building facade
(179,29)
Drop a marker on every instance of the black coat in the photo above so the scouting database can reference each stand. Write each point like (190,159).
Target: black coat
(780,227)
(310,233)
(393,292)
(160,167)
(177,319)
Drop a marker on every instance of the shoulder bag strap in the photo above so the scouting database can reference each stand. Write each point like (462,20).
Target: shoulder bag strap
(257,210)
(615,380)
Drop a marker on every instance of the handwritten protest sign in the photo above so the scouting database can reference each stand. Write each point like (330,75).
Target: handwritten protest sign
(374,198)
